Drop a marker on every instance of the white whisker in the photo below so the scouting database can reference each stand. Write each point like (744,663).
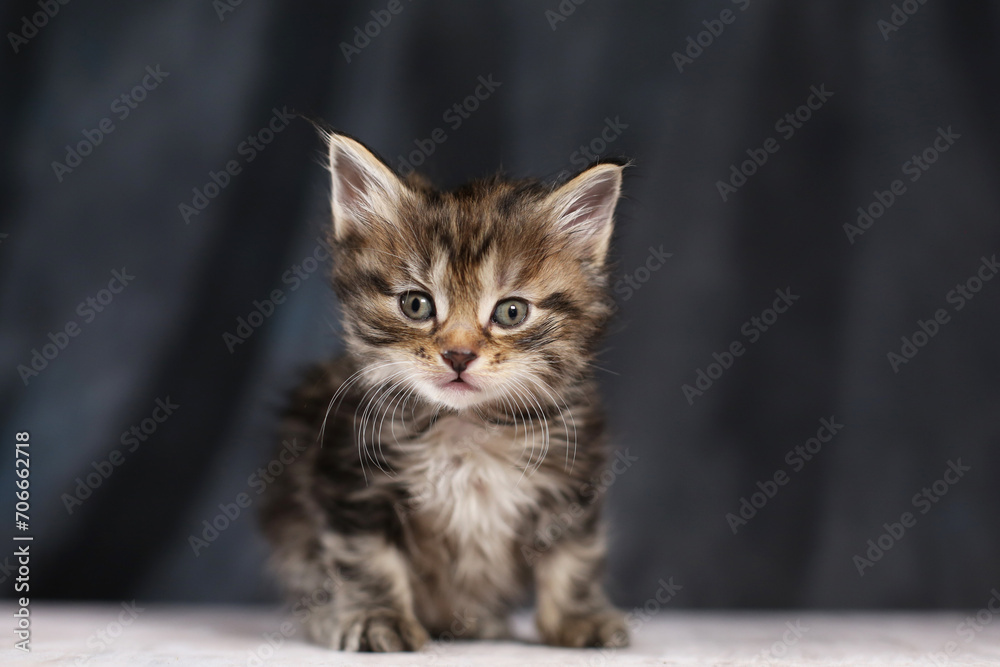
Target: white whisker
(545,386)
(380,391)
(362,445)
(342,391)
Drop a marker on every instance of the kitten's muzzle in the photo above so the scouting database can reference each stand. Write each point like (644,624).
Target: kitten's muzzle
(458,360)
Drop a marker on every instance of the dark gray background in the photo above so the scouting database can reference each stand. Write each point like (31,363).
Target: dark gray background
(162,336)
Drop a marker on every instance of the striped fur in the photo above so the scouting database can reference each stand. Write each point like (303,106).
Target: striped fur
(431,500)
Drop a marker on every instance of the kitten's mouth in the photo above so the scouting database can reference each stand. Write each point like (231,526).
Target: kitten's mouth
(459,384)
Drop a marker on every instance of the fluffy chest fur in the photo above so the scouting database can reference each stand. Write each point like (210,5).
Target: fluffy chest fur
(463,482)
(469,508)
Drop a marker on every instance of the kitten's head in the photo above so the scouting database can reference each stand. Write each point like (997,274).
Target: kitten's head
(494,293)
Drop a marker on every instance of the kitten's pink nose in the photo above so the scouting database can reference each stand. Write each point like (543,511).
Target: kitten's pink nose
(459,360)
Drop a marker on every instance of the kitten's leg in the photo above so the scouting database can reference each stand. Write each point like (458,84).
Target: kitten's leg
(372,604)
(572,608)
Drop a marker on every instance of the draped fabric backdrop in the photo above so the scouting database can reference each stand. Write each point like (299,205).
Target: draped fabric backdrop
(787,379)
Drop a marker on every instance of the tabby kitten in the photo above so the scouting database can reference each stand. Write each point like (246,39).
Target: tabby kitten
(453,447)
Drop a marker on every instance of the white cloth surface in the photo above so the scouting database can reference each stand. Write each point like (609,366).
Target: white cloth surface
(113,635)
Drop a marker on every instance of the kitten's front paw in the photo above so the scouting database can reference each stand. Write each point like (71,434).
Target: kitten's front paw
(605,629)
(375,631)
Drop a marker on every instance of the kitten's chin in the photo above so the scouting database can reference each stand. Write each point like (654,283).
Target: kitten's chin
(456,394)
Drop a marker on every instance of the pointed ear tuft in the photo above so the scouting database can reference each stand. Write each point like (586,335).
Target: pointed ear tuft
(365,192)
(585,207)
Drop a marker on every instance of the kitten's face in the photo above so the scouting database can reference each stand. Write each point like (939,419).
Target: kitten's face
(495,293)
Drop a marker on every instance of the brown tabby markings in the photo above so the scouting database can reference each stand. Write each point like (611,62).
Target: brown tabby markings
(426,483)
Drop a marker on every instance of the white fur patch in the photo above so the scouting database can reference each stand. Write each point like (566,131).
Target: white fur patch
(469,495)
(465,482)
(467,513)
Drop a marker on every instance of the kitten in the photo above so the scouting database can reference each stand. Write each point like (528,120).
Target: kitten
(452,448)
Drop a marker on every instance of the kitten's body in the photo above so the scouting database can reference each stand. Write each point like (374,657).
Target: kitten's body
(430,501)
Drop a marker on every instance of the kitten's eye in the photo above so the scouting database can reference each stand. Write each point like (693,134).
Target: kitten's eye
(416,305)
(510,312)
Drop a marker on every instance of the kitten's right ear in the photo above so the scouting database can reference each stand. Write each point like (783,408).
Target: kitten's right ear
(365,192)
(584,209)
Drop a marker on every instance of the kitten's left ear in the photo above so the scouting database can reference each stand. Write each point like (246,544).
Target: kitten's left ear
(584,209)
